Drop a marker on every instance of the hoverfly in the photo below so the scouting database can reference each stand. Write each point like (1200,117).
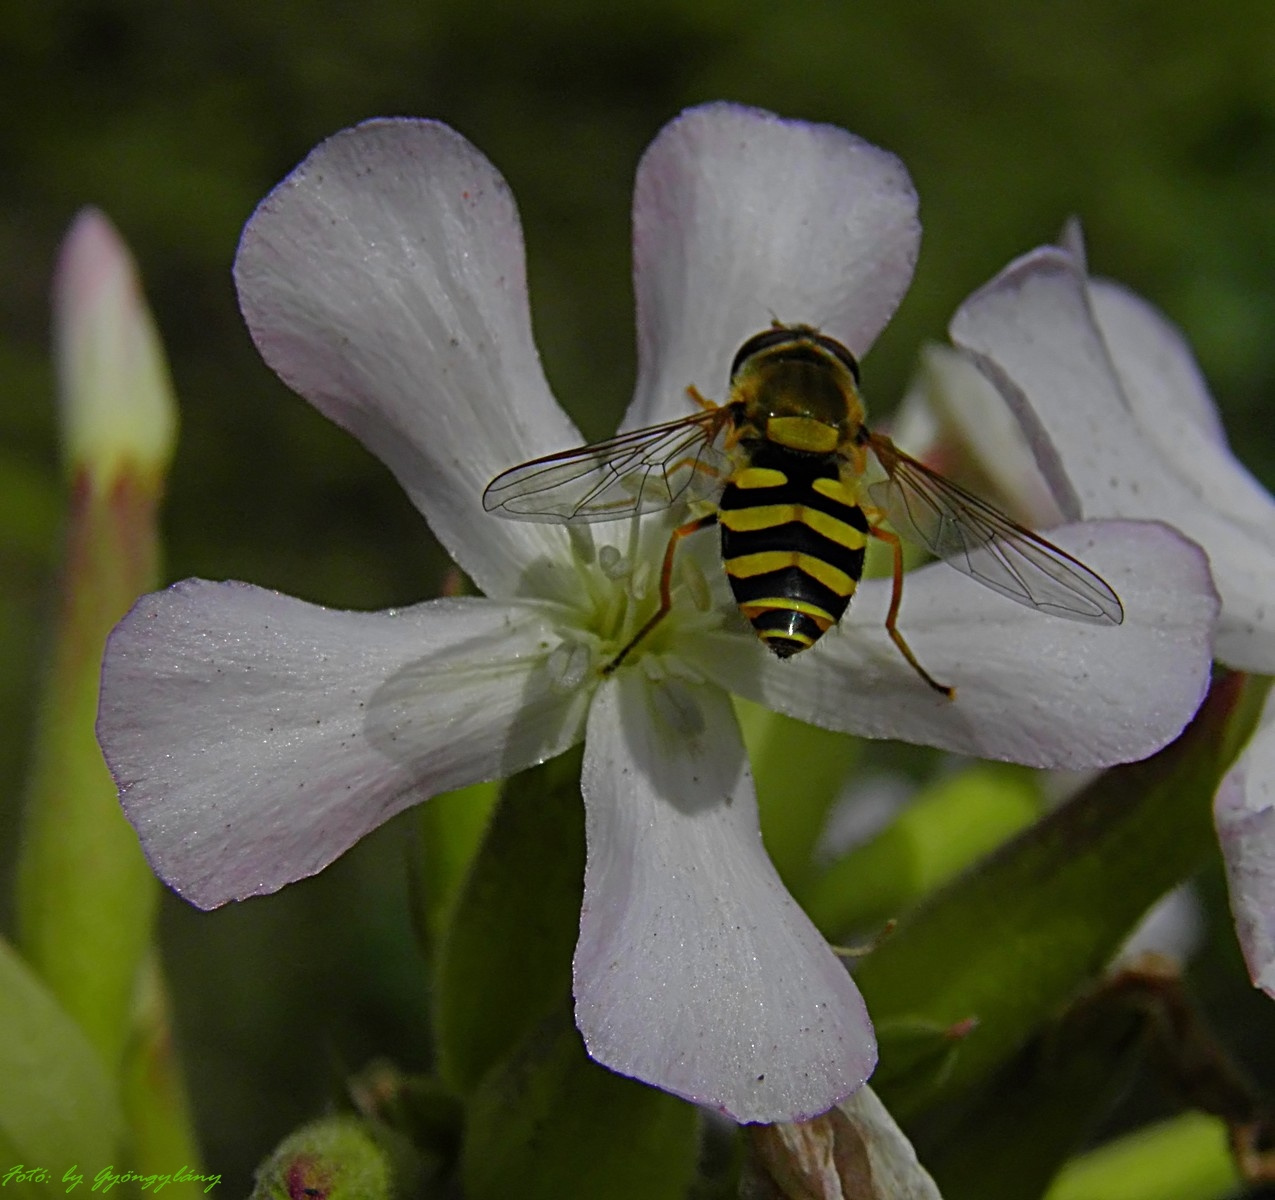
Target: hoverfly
(785,459)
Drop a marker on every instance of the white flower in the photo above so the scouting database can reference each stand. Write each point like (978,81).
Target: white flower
(1122,425)
(255,737)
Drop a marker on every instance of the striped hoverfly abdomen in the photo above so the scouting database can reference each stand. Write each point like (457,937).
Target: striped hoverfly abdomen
(793,543)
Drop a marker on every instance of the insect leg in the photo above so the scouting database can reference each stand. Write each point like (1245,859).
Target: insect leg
(892,617)
(699,398)
(666,586)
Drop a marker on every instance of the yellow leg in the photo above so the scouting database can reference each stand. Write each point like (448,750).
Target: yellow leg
(666,586)
(699,398)
(892,617)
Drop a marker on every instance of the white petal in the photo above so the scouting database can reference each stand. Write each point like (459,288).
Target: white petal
(741,218)
(255,738)
(1172,405)
(1030,688)
(1244,812)
(384,280)
(1161,379)
(695,970)
(1033,323)
(974,437)
(1034,332)
(1174,927)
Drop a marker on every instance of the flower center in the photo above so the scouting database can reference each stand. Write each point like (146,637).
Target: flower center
(621,591)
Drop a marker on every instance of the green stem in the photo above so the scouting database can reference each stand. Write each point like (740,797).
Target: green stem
(1006,945)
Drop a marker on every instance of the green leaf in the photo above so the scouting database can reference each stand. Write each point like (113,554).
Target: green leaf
(451,829)
(1187,1158)
(86,898)
(952,823)
(57,1103)
(1038,1109)
(504,961)
(794,805)
(921,1052)
(418,1108)
(152,1088)
(549,1122)
(1008,943)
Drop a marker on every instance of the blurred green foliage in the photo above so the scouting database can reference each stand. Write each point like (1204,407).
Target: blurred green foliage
(1155,122)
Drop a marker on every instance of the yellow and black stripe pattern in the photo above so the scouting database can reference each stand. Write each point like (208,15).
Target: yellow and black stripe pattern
(793,538)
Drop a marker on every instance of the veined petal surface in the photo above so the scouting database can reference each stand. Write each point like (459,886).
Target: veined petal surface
(1172,406)
(255,738)
(741,218)
(1161,379)
(1244,812)
(385,281)
(695,970)
(1030,688)
(1034,330)
(954,418)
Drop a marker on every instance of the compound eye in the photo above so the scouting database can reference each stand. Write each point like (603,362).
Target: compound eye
(838,351)
(775,336)
(797,337)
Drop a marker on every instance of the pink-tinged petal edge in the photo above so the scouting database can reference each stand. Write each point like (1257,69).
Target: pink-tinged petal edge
(384,280)
(695,970)
(741,218)
(117,409)
(255,738)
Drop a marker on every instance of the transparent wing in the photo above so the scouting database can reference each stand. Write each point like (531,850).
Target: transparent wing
(638,472)
(981,541)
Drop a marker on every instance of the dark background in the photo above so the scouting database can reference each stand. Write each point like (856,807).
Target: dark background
(1155,122)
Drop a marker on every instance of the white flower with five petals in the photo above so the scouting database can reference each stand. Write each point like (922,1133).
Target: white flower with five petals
(255,737)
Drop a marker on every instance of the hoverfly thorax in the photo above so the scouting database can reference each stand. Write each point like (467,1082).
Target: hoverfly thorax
(797,389)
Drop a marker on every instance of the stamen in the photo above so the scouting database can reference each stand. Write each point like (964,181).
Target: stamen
(653,668)
(613,613)
(569,665)
(640,584)
(697,584)
(612,563)
(581,540)
(678,668)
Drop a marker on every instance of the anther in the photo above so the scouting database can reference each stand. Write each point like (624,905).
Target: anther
(612,563)
(569,665)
